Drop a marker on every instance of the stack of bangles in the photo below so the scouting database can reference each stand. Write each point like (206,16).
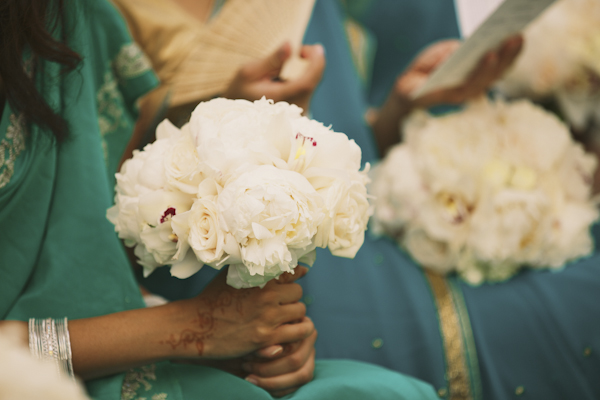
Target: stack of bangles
(49,340)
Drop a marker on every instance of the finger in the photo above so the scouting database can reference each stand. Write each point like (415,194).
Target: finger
(269,66)
(434,55)
(311,77)
(481,76)
(287,383)
(283,365)
(289,333)
(492,67)
(273,352)
(409,83)
(286,294)
(291,313)
(315,55)
(508,54)
(287,277)
(268,352)
(477,83)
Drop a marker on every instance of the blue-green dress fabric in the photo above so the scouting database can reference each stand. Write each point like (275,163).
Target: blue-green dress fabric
(402,29)
(59,256)
(536,336)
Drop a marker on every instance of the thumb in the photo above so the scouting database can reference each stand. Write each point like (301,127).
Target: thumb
(269,66)
(286,277)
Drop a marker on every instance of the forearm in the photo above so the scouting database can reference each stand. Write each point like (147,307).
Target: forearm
(116,342)
(386,122)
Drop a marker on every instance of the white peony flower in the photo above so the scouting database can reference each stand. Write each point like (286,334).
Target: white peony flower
(486,191)
(273,216)
(147,197)
(182,163)
(230,134)
(348,213)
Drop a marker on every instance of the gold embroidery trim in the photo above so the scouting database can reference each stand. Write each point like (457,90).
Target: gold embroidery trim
(457,374)
(138,378)
(131,62)
(358,40)
(11,146)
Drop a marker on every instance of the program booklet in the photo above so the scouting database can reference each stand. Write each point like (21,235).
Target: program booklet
(510,18)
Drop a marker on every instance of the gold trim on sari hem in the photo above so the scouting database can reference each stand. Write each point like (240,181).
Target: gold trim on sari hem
(462,372)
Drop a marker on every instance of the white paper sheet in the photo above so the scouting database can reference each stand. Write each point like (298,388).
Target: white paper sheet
(472,13)
(510,18)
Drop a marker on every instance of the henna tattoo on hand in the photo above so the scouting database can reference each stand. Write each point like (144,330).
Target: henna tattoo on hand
(204,323)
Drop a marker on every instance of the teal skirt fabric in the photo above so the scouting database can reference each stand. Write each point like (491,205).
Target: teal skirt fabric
(334,380)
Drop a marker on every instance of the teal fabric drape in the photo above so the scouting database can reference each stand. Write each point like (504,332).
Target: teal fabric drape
(59,255)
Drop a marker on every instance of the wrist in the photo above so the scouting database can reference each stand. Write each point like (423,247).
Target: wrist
(178,337)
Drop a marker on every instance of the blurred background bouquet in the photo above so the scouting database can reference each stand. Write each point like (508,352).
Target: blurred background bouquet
(486,191)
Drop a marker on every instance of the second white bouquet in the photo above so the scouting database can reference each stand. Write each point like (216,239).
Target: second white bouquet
(486,191)
(255,186)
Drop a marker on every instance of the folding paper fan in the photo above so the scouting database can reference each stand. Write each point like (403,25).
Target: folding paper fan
(242,31)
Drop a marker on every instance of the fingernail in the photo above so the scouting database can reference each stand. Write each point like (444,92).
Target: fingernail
(320,49)
(252,380)
(273,350)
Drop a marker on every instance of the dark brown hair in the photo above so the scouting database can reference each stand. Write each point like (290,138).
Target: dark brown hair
(33,24)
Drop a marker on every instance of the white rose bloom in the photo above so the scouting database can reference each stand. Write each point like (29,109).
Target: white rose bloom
(486,191)
(273,215)
(206,237)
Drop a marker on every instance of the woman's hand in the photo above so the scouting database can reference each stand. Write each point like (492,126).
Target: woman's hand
(281,370)
(260,78)
(223,322)
(491,67)
(400,103)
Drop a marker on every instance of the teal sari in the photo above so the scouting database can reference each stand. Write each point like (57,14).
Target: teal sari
(535,336)
(59,255)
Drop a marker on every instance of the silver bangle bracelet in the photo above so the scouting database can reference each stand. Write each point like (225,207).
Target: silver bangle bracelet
(49,340)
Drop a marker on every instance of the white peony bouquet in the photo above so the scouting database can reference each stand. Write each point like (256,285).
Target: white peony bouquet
(486,191)
(561,60)
(255,186)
